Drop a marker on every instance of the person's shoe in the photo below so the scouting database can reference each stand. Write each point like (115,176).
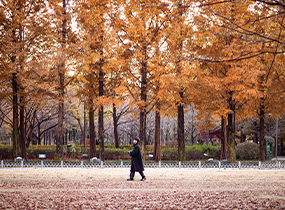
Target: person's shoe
(143,179)
(130,179)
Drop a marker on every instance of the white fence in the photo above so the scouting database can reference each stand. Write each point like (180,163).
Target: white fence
(122,164)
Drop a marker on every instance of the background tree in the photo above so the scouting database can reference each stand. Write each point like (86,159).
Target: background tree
(254,29)
(22,37)
(139,30)
(64,38)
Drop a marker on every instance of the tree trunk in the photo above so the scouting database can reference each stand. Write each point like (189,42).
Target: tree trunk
(49,137)
(255,137)
(61,74)
(115,122)
(142,129)
(207,137)
(261,117)
(101,115)
(143,100)
(180,126)
(223,155)
(156,149)
(261,136)
(59,135)
(22,129)
(231,157)
(16,146)
(92,129)
(180,132)
(84,128)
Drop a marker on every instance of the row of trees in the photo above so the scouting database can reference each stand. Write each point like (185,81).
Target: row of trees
(224,58)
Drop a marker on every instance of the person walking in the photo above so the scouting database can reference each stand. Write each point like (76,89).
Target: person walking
(136,164)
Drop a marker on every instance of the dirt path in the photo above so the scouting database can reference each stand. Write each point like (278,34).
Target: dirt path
(163,189)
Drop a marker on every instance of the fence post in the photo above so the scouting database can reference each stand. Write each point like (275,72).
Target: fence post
(102,164)
(122,164)
(199,164)
(61,164)
(239,165)
(159,164)
(179,164)
(22,163)
(81,163)
(259,164)
(2,163)
(42,164)
(219,164)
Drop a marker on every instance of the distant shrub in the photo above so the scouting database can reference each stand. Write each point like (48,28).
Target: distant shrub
(116,154)
(194,154)
(210,150)
(6,152)
(247,151)
(170,153)
(171,143)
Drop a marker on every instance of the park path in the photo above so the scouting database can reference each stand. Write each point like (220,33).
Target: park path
(163,189)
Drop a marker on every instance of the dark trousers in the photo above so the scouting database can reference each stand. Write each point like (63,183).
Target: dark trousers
(132,174)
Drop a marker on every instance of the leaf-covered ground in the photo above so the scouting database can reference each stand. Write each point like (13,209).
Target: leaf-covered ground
(163,189)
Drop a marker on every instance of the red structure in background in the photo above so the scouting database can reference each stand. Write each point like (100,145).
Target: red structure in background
(214,135)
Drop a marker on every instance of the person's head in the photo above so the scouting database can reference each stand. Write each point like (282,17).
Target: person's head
(136,140)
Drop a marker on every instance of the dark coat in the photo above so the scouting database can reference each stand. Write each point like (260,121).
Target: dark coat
(137,164)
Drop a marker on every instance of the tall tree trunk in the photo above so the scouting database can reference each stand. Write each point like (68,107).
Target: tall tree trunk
(156,149)
(180,132)
(49,137)
(15,135)
(261,117)
(261,135)
(223,155)
(61,73)
(180,126)
(22,129)
(38,137)
(142,129)
(92,129)
(16,146)
(231,157)
(101,114)
(60,134)
(255,137)
(115,123)
(84,127)
(143,100)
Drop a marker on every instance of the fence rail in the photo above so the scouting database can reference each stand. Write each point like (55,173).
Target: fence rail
(122,164)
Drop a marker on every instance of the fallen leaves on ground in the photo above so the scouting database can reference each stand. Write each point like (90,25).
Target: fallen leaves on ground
(155,193)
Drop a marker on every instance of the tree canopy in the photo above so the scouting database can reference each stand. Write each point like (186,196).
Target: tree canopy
(224,58)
